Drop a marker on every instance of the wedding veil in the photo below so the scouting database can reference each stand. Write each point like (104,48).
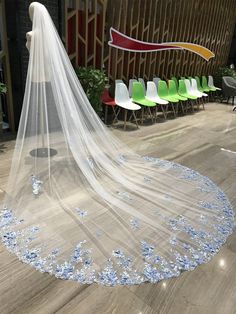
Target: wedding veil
(83,206)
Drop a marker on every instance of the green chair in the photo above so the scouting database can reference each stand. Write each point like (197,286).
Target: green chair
(174,93)
(205,86)
(199,86)
(138,97)
(183,92)
(173,78)
(163,92)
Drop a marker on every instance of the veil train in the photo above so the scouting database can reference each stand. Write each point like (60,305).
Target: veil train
(81,205)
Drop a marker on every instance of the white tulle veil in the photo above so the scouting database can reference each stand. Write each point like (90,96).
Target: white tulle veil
(81,205)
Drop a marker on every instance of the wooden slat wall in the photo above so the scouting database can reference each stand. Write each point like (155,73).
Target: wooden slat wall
(208,23)
(84,31)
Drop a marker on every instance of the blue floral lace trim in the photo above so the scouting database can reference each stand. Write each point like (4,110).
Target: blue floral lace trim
(119,268)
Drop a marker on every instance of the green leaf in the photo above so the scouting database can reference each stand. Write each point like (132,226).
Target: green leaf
(3,88)
(93,82)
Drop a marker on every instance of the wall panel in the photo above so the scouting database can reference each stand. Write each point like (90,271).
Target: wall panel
(208,23)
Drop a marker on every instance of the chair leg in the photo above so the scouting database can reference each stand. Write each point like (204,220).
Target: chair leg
(201,102)
(198,104)
(135,119)
(177,108)
(189,104)
(125,119)
(164,110)
(150,113)
(169,109)
(203,105)
(142,115)
(106,109)
(233,101)
(192,106)
(173,109)
(114,111)
(116,115)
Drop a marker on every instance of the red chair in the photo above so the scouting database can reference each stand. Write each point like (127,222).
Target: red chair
(107,102)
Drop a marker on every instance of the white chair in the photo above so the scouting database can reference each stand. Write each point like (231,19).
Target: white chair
(124,102)
(156,80)
(197,92)
(152,95)
(192,92)
(141,80)
(211,83)
(194,87)
(119,81)
(190,89)
(131,81)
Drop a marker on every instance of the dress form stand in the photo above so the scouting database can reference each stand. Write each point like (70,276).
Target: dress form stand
(42,151)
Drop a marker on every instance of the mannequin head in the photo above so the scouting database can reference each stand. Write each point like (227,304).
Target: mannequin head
(32,7)
(29,34)
(31,10)
(37,13)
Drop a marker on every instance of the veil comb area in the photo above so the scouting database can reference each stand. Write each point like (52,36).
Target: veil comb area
(81,205)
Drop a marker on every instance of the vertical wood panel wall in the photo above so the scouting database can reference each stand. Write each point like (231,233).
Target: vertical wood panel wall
(84,31)
(208,23)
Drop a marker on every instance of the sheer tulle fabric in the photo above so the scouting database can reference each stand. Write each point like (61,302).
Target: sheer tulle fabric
(92,210)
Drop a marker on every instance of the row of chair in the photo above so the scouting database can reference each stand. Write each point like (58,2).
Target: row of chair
(157,94)
(206,85)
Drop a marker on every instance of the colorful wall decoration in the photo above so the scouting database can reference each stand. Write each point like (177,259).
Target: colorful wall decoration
(181,23)
(123,42)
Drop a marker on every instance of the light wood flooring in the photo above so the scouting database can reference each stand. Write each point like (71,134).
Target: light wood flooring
(206,142)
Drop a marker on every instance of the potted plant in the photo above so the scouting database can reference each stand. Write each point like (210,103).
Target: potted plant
(93,82)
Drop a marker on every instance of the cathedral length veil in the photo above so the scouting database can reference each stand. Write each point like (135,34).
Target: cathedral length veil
(81,205)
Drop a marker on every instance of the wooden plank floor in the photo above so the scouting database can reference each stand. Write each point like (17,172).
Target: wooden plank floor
(195,141)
